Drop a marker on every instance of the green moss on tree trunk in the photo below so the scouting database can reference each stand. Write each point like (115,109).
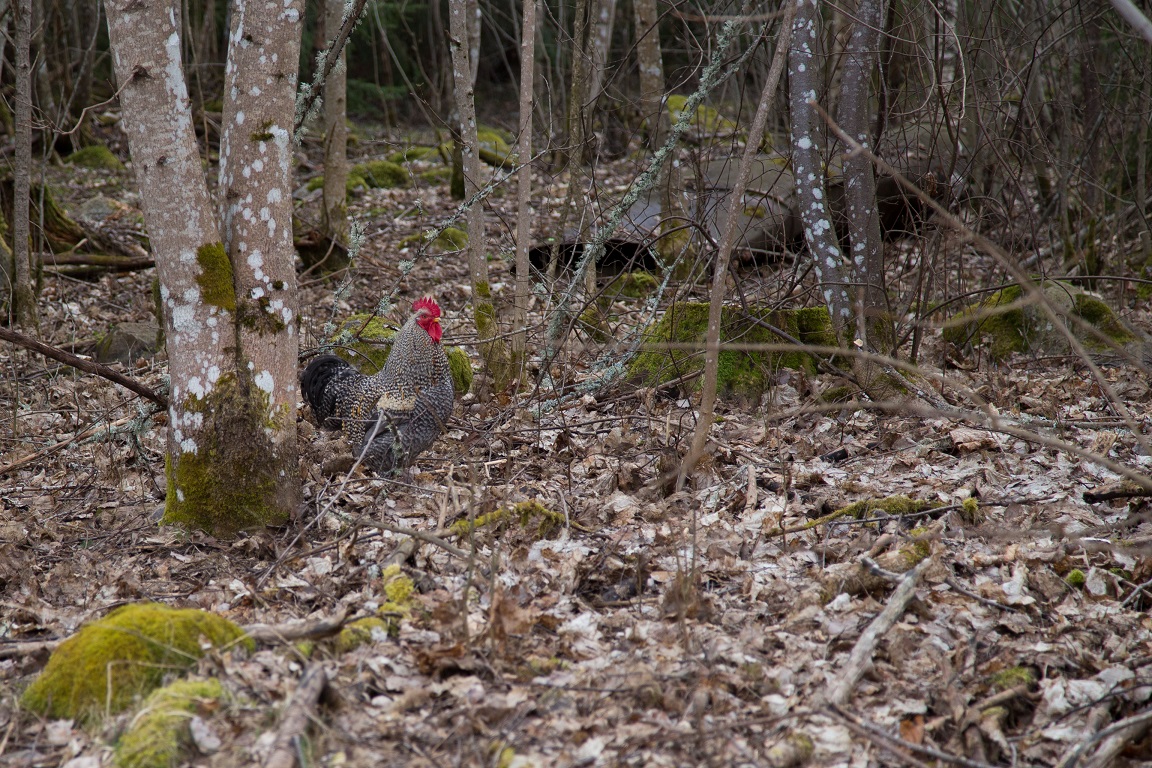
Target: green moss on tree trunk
(235,477)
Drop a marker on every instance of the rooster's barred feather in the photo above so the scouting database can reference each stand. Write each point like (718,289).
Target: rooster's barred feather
(391,417)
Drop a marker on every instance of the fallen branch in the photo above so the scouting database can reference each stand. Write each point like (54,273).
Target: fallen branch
(860,660)
(1126,730)
(9,650)
(297,630)
(424,536)
(301,710)
(79,363)
(898,746)
(25,461)
(1115,491)
(260,633)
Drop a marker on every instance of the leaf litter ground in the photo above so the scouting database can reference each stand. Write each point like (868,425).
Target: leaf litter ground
(649,627)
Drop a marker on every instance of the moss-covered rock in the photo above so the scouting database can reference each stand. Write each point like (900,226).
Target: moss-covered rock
(434,177)
(95,156)
(409,154)
(448,239)
(109,663)
(1003,323)
(744,373)
(159,736)
(495,145)
(633,285)
(707,122)
(382,174)
(365,341)
(354,183)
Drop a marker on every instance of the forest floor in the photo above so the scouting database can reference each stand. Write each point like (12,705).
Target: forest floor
(639,625)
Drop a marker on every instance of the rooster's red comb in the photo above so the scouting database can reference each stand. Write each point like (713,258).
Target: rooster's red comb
(429,304)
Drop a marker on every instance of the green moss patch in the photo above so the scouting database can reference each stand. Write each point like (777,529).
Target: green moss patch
(1003,324)
(495,146)
(354,183)
(434,177)
(159,736)
(448,239)
(365,341)
(741,373)
(548,521)
(95,156)
(109,663)
(633,285)
(232,479)
(215,278)
(706,122)
(360,632)
(408,154)
(382,174)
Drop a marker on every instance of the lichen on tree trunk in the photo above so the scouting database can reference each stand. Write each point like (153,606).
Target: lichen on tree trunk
(228,303)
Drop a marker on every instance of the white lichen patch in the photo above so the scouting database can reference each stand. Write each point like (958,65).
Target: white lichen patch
(264,381)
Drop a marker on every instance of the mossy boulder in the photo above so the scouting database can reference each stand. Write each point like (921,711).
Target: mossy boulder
(742,373)
(159,736)
(382,174)
(1005,323)
(706,123)
(434,177)
(408,154)
(354,183)
(365,341)
(108,664)
(495,145)
(448,239)
(632,285)
(95,156)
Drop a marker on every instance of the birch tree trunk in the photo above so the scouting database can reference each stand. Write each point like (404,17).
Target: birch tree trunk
(600,42)
(874,325)
(650,61)
(524,188)
(492,350)
(229,322)
(23,293)
(804,67)
(335,142)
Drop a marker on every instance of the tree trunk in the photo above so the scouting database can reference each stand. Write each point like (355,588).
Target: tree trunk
(874,326)
(229,324)
(724,255)
(524,188)
(600,44)
(493,351)
(804,67)
(335,206)
(23,293)
(651,64)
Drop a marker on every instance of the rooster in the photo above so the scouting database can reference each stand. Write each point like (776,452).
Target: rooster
(391,417)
